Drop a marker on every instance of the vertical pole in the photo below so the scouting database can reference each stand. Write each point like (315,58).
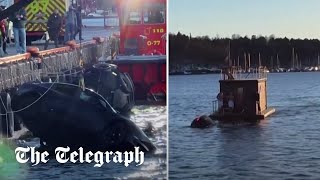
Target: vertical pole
(278,62)
(230,61)
(104,16)
(292,58)
(104,19)
(80,18)
(259,60)
(239,63)
(297,61)
(245,62)
(1,119)
(249,59)
(238,67)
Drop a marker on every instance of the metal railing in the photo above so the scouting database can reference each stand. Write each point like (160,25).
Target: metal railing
(237,73)
(215,106)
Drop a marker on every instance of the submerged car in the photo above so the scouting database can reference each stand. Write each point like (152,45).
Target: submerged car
(63,114)
(116,87)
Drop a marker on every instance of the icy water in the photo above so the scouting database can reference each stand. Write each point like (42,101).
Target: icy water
(284,146)
(154,166)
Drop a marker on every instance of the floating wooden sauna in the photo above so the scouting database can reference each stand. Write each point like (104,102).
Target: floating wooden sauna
(243,96)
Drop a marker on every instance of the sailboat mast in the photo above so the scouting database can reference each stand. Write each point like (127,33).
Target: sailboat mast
(278,62)
(297,61)
(259,60)
(245,61)
(238,61)
(292,58)
(229,55)
(249,59)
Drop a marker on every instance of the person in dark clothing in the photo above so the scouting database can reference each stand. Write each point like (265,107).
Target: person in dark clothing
(54,27)
(79,23)
(71,24)
(19,30)
(5,36)
(3,25)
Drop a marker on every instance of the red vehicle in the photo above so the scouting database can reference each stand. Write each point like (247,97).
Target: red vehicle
(142,49)
(142,27)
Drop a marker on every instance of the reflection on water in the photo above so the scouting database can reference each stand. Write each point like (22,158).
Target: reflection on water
(155,165)
(285,145)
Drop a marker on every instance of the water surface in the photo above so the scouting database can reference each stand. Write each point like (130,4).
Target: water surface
(154,166)
(284,146)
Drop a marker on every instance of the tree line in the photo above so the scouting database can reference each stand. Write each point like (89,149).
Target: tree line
(273,52)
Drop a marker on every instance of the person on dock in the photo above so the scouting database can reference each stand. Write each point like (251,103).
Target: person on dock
(3,38)
(18,20)
(79,23)
(9,33)
(71,24)
(53,27)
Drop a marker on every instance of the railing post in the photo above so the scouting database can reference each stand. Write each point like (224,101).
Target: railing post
(212,106)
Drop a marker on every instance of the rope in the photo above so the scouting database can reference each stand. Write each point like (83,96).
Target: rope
(3,104)
(22,109)
(5,115)
(80,38)
(70,74)
(35,100)
(7,121)
(57,79)
(38,98)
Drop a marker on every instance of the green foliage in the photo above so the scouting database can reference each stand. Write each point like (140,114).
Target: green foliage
(204,50)
(9,167)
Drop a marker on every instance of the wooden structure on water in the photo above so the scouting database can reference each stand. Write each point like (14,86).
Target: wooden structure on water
(242,96)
